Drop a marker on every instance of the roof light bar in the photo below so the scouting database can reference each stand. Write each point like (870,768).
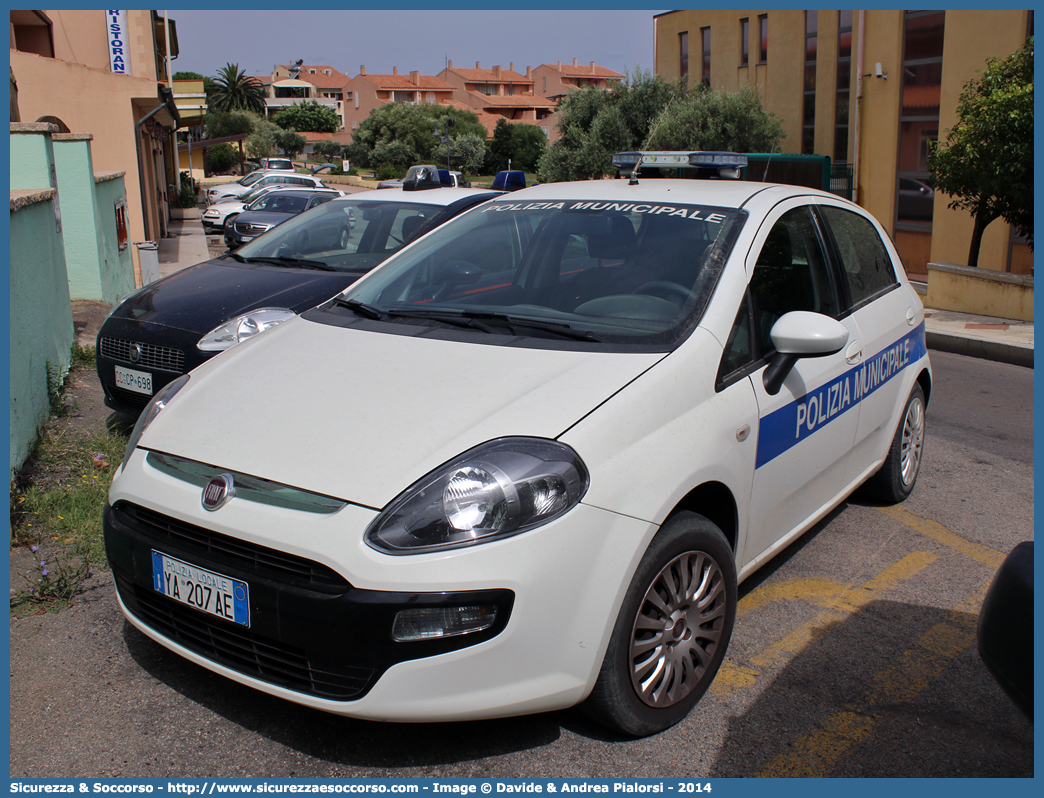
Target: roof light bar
(681,160)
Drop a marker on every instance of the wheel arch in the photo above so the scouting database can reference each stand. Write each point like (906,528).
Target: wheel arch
(925,381)
(715,502)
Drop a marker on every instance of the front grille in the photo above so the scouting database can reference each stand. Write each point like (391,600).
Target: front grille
(129,398)
(163,358)
(250,229)
(248,557)
(243,650)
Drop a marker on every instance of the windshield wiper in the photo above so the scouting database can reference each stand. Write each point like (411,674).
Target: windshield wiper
(361,308)
(547,326)
(295,262)
(452,318)
(477,320)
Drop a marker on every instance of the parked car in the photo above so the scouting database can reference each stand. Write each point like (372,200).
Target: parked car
(269,211)
(173,325)
(916,200)
(215,215)
(238,189)
(524,464)
(1005,634)
(284,164)
(428,173)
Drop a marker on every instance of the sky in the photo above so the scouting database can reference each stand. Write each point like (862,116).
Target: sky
(421,40)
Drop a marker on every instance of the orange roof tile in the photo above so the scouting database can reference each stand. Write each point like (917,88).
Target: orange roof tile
(584,71)
(403,82)
(513,101)
(487,76)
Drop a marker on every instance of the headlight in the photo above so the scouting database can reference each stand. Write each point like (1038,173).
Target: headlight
(152,409)
(493,491)
(242,327)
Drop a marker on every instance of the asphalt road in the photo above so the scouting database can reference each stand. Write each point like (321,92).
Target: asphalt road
(853,655)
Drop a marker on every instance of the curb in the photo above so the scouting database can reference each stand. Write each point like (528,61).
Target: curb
(980,348)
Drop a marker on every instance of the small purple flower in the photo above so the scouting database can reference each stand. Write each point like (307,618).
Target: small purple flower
(43,563)
(90,572)
(44,572)
(32,590)
(34,549)
(79,584)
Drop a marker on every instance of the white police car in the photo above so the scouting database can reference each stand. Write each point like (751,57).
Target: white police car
(524,463)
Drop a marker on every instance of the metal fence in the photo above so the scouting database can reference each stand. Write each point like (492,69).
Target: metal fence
(841,180)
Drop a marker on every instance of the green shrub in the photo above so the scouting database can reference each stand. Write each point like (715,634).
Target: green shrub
(221,157)
(390,172)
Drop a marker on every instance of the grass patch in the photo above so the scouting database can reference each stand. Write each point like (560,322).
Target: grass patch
(57,500)
(70,481)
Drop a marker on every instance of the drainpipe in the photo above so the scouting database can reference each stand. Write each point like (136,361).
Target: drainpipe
(141,170)
(859,97)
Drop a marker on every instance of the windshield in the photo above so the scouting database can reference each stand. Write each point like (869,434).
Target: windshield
(251,178)
(611,272)
(346,234)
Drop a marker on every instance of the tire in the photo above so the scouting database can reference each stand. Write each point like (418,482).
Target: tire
(896,478)
(342,242)
(659,663)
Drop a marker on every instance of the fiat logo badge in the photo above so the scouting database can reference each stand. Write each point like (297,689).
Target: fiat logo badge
(218,491)
(135,353)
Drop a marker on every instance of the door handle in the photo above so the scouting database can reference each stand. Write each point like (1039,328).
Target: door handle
(854,353)
(911,316)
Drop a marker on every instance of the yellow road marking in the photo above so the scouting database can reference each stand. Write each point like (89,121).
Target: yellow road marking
(940,533)
(813,755)
(845,602)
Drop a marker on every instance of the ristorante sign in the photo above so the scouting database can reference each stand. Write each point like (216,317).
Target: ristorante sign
(119,53)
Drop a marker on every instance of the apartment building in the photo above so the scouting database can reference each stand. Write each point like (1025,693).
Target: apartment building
(365,92)
(555,81)
(869,88)
(105,73)
(500,93)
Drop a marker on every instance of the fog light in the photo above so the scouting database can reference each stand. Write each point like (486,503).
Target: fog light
(434,622)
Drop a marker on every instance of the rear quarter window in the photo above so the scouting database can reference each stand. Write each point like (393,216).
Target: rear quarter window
(864,260)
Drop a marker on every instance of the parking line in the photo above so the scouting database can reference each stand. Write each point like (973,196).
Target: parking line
(838,599)
(943,535)
(840,606)
(816,754)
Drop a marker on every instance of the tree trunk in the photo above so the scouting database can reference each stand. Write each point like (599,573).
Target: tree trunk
(983,217)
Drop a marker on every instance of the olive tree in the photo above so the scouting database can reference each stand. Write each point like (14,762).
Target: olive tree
(308,116)
(986,163)
(466,152)
(417,127)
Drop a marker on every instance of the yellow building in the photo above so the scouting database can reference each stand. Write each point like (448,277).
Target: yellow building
(870,89)
(105,73)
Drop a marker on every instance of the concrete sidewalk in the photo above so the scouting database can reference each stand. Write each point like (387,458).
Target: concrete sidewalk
(185,246)
(1003,340)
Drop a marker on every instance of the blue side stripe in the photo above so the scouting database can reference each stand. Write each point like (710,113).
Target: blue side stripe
(789,425)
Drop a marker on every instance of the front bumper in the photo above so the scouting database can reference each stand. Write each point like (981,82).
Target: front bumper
(561,586)
(163,353)
(295,607)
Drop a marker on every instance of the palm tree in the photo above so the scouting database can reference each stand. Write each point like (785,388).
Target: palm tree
(234,91)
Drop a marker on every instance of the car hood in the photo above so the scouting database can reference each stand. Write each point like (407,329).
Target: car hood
(363,415)
(204,296)
(265,217)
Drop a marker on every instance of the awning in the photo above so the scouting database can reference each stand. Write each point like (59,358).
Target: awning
(291,83)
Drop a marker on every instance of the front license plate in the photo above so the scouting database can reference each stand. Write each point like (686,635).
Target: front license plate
(137,381)
(204,590)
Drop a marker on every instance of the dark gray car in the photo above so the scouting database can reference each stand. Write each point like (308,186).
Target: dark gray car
(269,211)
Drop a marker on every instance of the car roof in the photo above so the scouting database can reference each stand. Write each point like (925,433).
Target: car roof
(431,196)
(305,192)
(721,193)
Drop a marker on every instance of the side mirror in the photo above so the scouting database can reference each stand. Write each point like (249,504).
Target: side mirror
(799,334)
